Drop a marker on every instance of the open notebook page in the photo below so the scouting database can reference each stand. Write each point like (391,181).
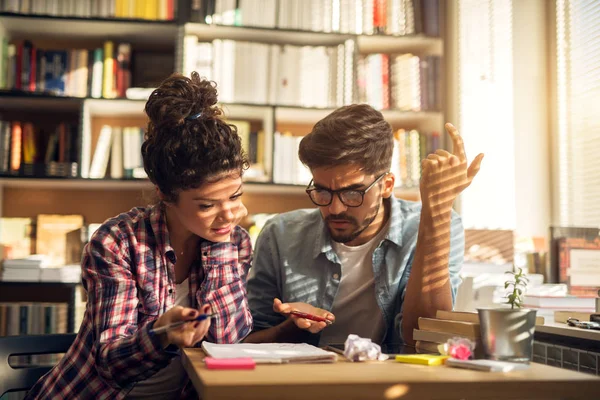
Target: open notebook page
(270,352)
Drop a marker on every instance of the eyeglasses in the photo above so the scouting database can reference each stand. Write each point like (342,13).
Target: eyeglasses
(349,197)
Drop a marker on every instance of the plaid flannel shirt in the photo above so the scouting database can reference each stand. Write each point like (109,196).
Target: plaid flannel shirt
(128,273)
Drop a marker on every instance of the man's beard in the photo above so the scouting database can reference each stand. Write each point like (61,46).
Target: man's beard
(348,237)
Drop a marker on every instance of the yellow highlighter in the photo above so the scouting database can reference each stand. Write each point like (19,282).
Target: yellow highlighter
(421,359)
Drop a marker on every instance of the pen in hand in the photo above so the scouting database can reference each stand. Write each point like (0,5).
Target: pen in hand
(311,317)
(177,324)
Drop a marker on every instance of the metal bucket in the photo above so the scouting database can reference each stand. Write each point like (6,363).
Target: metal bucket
(507,334)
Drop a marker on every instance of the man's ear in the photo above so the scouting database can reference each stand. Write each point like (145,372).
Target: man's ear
(388,185)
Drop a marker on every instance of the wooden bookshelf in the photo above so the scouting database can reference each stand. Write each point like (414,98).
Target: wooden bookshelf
(168,35)
(100,199)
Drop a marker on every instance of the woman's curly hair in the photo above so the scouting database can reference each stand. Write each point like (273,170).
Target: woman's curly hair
(187,143)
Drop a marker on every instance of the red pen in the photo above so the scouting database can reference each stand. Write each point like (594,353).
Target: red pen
(311,317)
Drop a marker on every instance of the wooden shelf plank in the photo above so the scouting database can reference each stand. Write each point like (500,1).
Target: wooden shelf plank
(17,100)
(134,31)
(265,35)
(417,44)
(142,184)
(312,115)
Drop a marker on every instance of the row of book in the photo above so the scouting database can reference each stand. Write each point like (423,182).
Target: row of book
(101,72)
(118,153)
(138,9)
(307,76)
(392,17)
(30,150)
(578,265)
(258,147)
(403,82)
(32,318)
(287,168)
(35,268)
(410,147)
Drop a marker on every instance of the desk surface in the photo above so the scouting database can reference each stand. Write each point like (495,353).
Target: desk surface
(384,380)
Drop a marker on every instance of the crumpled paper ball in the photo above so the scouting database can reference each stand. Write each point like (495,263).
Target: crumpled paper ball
(459,348)
(362,349)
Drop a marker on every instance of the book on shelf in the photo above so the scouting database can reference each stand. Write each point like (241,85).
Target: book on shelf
(118,153)
(133,9)
(402,82)
(577,261)
(254,144)
(287,168)
(26,318)
(410,147)
(99,72)
(258,73)
(392,17)
(27,149)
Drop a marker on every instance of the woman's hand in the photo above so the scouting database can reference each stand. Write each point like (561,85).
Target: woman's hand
(188,334)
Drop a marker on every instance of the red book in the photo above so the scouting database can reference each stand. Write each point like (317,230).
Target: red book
(170,10)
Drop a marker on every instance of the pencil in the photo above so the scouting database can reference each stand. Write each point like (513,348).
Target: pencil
(177,324)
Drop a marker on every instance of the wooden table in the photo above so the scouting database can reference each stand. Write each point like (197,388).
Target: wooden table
(384,380)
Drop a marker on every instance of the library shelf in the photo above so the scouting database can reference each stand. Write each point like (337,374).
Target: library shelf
(144,184)
(36,291)
(265,35)
(135,31)
(312,115)
(18,100)
(366,43)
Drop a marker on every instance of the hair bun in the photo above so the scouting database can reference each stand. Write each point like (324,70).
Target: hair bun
(179,97)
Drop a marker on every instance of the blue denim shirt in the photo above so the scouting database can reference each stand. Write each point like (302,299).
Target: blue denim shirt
(295,262)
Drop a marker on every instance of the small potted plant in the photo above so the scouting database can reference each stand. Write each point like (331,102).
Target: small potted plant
(507,333)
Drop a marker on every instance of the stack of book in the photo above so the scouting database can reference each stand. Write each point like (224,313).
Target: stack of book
(448,325)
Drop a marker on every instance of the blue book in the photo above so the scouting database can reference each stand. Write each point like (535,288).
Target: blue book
(56,66)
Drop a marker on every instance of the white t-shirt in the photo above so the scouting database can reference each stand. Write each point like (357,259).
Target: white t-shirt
(355,306)
(169,381)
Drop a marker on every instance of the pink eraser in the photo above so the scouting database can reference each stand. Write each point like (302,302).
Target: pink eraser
(229,363)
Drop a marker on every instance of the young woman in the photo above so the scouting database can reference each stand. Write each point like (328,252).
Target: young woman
(173,261)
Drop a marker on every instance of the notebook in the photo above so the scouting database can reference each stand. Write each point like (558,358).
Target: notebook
(270,353)
(486,365)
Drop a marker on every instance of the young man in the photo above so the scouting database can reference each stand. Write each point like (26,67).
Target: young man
(370,262)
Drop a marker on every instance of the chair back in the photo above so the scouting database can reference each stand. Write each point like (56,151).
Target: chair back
(19,379)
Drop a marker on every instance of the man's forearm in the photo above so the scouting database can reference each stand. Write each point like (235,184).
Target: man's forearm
(286,332)
(428,288)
